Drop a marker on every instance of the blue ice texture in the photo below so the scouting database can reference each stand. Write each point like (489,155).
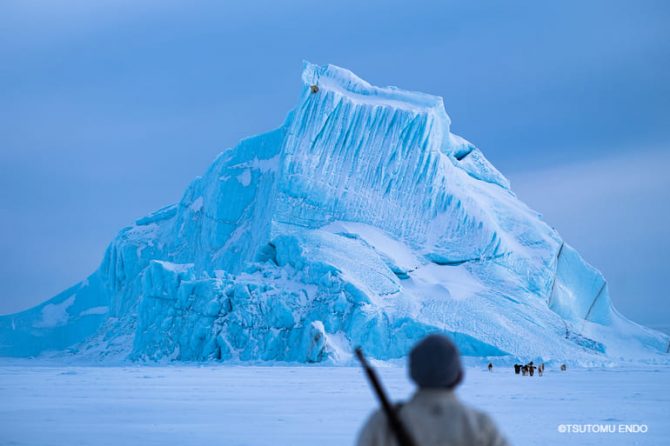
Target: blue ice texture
(362,220)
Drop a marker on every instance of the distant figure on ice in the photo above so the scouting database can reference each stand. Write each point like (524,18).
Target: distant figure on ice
(434,415)
(490,367)
(531,368)
(524,370)
(541,369)
(517,369)
(564,367)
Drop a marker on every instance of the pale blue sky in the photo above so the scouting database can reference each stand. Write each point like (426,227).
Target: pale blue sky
(109,108)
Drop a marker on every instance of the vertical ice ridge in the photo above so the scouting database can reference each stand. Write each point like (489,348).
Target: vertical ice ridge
(356,151)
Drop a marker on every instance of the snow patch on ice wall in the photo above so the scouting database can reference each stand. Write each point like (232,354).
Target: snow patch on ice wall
(55,315)
(362,220)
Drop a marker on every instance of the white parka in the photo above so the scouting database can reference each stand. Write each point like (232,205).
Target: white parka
(434,417)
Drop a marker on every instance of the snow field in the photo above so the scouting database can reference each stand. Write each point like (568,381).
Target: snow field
(45,404)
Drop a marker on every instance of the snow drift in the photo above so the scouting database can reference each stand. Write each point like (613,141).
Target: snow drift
(362,220)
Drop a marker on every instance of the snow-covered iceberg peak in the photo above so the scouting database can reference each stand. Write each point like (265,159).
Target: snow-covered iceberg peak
(345,83)
(350,144)
(362,220)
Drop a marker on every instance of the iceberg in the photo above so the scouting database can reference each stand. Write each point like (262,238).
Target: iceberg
(361,220)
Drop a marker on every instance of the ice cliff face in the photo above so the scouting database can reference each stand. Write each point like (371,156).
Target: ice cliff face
(362,220)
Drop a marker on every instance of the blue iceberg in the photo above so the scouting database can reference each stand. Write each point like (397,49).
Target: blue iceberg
(362,220)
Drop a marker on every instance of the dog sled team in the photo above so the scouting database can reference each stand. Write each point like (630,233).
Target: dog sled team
(528,369)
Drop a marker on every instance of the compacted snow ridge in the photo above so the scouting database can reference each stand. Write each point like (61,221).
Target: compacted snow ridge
(361,220)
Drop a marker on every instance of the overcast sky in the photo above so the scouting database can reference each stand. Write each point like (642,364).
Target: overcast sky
(109,108)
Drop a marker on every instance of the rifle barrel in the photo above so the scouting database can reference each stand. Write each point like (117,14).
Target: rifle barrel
(397,427)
